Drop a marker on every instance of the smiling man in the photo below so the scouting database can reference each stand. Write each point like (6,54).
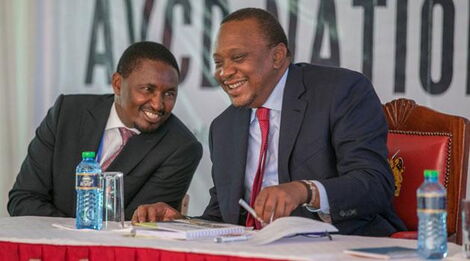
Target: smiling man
(132,131)
(299,139)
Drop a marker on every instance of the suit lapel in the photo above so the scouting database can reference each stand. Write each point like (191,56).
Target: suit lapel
(293,109)
(236,170)
(137,148)
(93,123)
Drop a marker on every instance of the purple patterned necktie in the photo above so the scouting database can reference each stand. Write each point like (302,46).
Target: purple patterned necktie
(125,135)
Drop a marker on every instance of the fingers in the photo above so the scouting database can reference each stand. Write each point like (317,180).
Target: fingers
(171,214)
(259,203)
(265,204)
(154,212)
(281,210)
(134,218)
(140,214)
(278,201)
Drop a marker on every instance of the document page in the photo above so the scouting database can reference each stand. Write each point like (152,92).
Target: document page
(290,226)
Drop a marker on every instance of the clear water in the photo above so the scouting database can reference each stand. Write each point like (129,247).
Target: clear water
(432,227)
(89,211)
(432,236)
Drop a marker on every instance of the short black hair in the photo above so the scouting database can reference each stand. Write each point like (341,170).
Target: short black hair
(144,50)
(268,24)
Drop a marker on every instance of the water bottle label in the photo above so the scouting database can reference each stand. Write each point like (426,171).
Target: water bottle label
(87,181)
(431,203)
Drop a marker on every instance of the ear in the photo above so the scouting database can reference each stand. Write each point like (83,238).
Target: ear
(279,55)
(116,83)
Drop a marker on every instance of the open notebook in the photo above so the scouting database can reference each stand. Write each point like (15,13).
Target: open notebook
(188,229)
(290,227)
(197,228)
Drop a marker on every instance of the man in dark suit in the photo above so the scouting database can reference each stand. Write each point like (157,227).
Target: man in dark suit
(324,130)
(158,161)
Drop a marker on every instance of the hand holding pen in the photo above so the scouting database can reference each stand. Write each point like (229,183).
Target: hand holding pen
(251,211)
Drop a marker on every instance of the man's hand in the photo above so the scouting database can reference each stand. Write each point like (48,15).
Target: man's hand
(155,212)
(279,201)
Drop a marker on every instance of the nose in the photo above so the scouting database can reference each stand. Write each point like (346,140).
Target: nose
(156,102)
(226,71)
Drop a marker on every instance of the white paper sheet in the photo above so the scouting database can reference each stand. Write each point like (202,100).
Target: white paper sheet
(289,226)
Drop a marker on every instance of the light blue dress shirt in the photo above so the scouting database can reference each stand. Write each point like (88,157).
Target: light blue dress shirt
(271,178)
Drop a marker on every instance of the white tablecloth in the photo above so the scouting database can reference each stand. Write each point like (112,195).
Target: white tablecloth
(40,230)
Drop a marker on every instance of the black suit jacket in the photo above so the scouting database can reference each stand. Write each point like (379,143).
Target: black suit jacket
(157,166)
(332,130)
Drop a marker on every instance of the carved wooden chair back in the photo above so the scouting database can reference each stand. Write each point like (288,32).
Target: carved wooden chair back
(421,138)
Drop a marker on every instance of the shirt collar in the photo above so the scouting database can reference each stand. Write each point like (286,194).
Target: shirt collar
(115,122)
(274,101)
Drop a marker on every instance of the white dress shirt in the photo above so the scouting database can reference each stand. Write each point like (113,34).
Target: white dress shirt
(112,139)
(271,177)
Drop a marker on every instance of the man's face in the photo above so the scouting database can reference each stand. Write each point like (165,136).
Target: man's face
(145,98)
(244,63)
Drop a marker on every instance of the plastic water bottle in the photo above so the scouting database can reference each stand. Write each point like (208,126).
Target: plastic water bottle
(432,229)
(89,213)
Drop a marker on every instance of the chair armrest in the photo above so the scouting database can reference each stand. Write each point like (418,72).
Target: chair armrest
(405,235)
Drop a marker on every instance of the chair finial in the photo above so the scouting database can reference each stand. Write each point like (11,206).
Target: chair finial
(398,111)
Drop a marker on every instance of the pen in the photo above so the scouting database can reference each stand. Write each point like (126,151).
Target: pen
(251,211)
(229,238)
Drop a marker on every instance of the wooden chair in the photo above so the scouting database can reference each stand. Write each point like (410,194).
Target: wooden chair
(420,138)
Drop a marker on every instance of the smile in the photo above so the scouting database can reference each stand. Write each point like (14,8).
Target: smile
(153,116)
(234,85)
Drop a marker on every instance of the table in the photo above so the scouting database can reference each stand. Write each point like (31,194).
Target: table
(25,238)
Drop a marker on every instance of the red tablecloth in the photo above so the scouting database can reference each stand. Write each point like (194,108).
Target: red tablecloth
(11,251)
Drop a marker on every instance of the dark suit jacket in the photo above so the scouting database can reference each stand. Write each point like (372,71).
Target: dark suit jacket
(157,166)
(332,130)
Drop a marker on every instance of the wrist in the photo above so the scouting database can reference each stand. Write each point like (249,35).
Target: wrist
(308,196)
(312,194)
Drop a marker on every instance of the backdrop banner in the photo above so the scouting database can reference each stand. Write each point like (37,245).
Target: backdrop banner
(409,48)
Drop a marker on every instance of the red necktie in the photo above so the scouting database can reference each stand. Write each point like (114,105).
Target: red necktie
(125,135)
(263,118)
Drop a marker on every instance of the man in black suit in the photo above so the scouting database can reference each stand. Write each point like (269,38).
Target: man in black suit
(326,138)
(158,161)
